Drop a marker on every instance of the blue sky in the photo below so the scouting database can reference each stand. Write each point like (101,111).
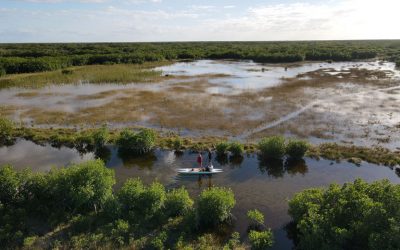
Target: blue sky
(186,20)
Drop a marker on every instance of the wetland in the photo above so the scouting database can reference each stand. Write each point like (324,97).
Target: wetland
(346,109)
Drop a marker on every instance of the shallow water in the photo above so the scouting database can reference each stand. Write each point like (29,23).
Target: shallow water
(257,184)
(241,100)
(247,75)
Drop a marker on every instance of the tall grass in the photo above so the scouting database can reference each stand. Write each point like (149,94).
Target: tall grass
(120,73)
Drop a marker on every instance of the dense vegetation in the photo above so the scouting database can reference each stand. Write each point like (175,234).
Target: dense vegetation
(23,58)
(353,216)
(77,208)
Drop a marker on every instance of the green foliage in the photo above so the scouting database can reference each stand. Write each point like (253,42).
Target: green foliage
(261,240)
(222,148)
(2,71)
(10,182)
(136,143)
(140,202)
(255,216)
(177,143)
(236,148)
(29,241)
(178,202)
(296,149)
(215,205)
(353,216)
(272,147)
(120,232)
(100,136)
(6,130)
(159,240)
(20,58)
(234,242)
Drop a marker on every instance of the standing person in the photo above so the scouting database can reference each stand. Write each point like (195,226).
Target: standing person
(200,160)
(209,156)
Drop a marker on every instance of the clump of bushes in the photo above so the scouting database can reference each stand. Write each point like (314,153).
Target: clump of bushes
(261,240)
(236,148)
(275,147)
(356,215)
(272,147)
(177,144)
(178,202)
(136,143)
(214,206)
(222,148)
(82,196)
(256,217)
(100,137)
(296,149)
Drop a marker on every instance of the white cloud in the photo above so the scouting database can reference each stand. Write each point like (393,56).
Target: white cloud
(338,19)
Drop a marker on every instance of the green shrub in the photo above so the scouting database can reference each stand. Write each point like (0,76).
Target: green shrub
(6,130)
(178,202)
(296,149)
(272,147)
(159,240)
(100,137)
(215,205)
(29,241)
(177,143)
(136,143)
(353,216)
(10,182)
(222,148)
(81,187)
(234,242)
(129,197)
(140,202)
(255,216)
(2,71)
(236,148)
(120,232)
(261,240)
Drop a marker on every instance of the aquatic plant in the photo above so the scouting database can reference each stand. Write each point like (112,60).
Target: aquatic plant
(261,240)
(255,216)
(136,143)
(236,148)
(6,131)
(214,206)
(100,136)
(296,149)
(355,215)
(272,147)
(177,144)
(222,148)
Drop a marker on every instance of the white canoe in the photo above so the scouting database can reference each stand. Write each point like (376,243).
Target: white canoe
(197,171)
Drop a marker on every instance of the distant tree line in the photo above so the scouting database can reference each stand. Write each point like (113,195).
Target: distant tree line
(26,58)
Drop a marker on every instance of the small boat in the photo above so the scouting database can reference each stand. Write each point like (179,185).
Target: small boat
(198,171)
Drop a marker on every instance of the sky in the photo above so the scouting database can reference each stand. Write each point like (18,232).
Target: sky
(187,20)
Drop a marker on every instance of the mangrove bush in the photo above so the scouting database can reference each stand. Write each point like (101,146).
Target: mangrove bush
(355,215)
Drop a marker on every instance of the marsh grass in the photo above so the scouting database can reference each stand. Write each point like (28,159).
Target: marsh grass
(119,73)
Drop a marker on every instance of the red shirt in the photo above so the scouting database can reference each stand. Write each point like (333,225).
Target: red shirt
(199,159)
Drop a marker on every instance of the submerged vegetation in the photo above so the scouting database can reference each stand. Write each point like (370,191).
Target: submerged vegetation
(76,208)
(28,58)
(353,216)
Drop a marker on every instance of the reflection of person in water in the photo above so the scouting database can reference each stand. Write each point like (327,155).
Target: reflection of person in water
(200,181)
